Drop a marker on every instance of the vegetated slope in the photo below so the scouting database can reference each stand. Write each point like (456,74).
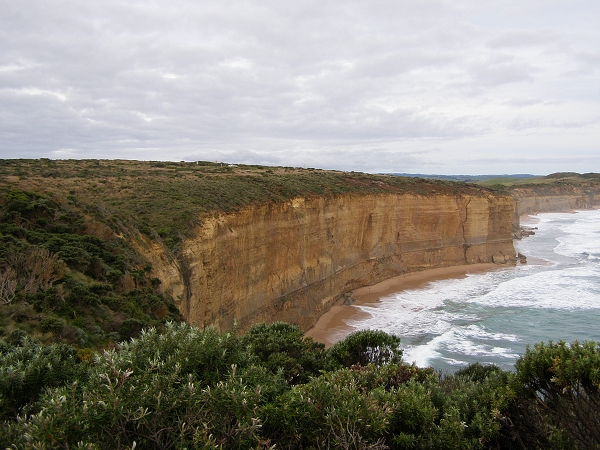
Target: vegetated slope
(67,277)
(273,388)
(169,197)
(479,179)
(552,181)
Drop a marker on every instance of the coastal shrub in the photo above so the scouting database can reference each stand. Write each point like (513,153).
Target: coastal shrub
(560,394)
(130,328)
(57,273)
(183,388)
(51,324)
(282,347)
(474,403)
(326,413)
(366,347)
(389,406)
(27,368)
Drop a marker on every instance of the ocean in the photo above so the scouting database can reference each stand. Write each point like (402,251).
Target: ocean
(492,317)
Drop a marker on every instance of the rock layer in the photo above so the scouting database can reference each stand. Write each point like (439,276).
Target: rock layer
(291,261)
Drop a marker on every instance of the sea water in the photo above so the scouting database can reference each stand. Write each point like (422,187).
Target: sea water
(492,317)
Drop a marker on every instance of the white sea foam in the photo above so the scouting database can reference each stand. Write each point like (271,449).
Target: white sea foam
(477,332)
(572,288)
(459,341)
(582,238)
(422,355)
(491,317)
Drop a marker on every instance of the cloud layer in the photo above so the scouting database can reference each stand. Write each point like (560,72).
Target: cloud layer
(430,86)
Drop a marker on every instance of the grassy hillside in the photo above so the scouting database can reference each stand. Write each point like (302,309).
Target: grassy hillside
(555,179)
(168,197)
(66,277)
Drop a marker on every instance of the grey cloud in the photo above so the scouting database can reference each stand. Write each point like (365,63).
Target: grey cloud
(521,38)
(283,82)
(528,123)
(501,69)
(524,102)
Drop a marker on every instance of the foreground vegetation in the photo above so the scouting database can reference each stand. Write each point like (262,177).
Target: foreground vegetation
(273,388)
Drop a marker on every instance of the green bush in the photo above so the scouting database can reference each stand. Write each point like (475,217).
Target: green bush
(159,391)
(560,394)
(366,347)
(192,388)
(282,346)
(325,413)
(28,368)
(130,328)
(51,324)
(67,275)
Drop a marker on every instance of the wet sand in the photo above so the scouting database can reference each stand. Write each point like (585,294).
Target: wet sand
(332,327)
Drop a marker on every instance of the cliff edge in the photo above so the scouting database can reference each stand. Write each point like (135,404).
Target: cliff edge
(291,261)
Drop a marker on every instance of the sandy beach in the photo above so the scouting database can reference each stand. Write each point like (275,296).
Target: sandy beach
(332,326)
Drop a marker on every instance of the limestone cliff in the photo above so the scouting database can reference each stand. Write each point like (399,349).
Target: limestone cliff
(291,261)
(555,198)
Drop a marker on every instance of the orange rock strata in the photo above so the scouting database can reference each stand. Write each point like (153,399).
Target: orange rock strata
(291,261)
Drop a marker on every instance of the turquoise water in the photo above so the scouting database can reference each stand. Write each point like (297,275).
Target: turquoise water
(492,317)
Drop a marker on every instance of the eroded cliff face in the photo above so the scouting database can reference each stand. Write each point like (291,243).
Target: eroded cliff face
(291,261)
(555,198)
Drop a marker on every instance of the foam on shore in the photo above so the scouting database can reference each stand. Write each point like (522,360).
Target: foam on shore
(336,324)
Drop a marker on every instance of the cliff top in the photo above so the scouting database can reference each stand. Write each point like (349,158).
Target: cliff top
(168,197)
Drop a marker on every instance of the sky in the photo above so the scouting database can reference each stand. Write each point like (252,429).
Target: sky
(420,86)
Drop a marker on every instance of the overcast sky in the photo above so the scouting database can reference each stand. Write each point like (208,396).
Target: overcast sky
(421,86)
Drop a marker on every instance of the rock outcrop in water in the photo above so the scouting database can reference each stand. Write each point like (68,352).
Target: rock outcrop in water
(291,261)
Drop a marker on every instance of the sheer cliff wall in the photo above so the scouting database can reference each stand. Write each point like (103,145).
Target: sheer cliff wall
(562,198)
(291,261)
(555,198)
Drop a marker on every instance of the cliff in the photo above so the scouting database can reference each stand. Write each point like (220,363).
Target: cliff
(555,198)
(291,261)
(250,243)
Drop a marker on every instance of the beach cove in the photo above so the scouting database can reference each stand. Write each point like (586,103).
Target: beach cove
(449,317)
